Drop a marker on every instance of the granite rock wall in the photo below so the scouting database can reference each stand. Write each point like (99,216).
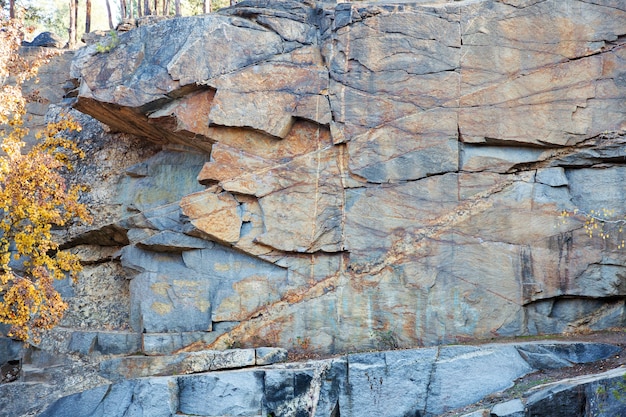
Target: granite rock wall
(335,177)
(331,178)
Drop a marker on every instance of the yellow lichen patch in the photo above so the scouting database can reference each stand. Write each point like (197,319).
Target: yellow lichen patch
(161,308)
(160,288)
(251,294)
(220,267)
(203,305)
(190,291)
(185,289)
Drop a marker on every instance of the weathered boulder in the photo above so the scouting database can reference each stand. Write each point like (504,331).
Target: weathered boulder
(594,395)
(599,394)
(47,40)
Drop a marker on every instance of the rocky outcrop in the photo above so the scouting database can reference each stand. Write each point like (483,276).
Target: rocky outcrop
(340,174)
(594,395)
(600,394)
(46,40)
(336,178)
(422,382)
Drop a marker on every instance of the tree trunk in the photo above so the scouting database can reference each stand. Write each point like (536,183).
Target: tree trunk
(139,11)
(146,8)
(166,7)
(76,20)
(72,28)
(206,6)
(177,7)
(109,14)
(87,16)
(11,9)
(122,8)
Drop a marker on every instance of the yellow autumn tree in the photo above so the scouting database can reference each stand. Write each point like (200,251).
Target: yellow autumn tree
(34,198)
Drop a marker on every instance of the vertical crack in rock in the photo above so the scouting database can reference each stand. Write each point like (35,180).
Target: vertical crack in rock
(431,378)
(317,186)
(315,388)
(342,163)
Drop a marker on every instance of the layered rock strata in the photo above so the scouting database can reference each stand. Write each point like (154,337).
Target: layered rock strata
(339,177)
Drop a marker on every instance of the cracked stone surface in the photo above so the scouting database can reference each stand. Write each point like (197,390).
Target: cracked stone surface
(424,382)
(335,176)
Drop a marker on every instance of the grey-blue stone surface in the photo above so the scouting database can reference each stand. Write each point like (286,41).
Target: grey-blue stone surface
(400,383)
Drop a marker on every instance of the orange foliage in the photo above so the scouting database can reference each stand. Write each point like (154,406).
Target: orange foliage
(34,198)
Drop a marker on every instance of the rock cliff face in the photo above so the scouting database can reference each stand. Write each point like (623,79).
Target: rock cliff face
(332,178)
(339,176)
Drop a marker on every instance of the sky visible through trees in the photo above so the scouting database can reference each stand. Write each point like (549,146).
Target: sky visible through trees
(54,15)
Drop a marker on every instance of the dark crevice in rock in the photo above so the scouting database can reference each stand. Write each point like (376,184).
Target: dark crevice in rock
(125,119)
(619,40)
(170,96)
(108,235)
(612,45)
(430,380)
(590,152)
(280,136)
(525,4)
(491,141)
(302,12)
(567,298)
